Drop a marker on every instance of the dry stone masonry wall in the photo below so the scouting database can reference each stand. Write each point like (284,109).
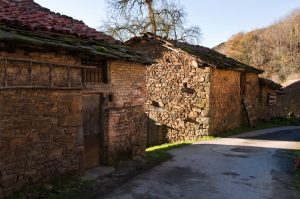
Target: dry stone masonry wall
(178,96)
(289,99)
(267,111)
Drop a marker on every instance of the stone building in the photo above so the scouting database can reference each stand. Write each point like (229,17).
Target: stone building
(71,98)
(194,91)
(289,98)
(268,101)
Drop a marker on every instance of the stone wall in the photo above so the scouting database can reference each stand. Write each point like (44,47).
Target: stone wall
(225,101)
(127,133)
(40,129)
(126,128)
(18,71)
(265,110)
(178,96)
(289,99)
(39,136)
(129,83)
(252,92)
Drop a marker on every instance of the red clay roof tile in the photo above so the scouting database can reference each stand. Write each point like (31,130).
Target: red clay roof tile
(28,15)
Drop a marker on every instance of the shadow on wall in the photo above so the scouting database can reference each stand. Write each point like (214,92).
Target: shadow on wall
(157,133)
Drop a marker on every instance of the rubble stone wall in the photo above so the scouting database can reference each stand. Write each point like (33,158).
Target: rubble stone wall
(178,96)
(252,93)
(289,100)
(39,136)
(267,111)
(40,129)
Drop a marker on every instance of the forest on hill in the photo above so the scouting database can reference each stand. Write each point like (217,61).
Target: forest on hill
(275,49)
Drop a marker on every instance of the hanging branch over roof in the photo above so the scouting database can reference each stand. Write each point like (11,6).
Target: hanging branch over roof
(166,18)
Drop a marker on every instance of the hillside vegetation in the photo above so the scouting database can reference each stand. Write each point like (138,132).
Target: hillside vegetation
(275,49)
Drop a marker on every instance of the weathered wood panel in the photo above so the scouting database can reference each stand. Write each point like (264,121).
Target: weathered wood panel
(91,129)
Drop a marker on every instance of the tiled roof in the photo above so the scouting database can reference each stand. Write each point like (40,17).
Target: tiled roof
(205,55)
(28,15)
(25,24)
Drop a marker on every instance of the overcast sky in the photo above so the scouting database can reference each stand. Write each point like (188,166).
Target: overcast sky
(218,19)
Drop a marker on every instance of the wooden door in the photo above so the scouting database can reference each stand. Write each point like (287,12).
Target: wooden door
(92,129)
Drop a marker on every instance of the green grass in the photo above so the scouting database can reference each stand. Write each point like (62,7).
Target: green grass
(157,153)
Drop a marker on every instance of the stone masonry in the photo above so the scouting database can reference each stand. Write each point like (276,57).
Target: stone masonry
(126,121)
(178,96)
(39,136)
(40,129)
(193,91)
(41,126)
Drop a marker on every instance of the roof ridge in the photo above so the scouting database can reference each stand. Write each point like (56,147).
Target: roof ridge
(206,54)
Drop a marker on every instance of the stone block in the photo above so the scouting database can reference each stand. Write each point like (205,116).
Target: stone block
(72,120)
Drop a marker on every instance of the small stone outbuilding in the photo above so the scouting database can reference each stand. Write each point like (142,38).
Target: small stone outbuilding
(289,98)
(268,99)
(194,91)
(71,98)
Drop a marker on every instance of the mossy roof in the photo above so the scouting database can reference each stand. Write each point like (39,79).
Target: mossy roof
(24,23)
(205,55)
(83,47)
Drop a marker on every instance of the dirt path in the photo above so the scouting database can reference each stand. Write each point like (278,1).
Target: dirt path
(250,166)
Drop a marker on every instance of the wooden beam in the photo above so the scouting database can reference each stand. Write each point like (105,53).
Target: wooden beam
(41,87)
(50,75)
(45,62)
(69,83)
(30,74)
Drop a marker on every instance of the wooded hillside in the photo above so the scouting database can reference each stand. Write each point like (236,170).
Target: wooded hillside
(275,49)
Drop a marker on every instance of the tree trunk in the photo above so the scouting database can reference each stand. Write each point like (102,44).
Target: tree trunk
(151,15)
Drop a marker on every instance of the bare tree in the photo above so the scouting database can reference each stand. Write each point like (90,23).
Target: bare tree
(166,18)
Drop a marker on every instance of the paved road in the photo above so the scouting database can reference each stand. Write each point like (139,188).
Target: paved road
(254,165)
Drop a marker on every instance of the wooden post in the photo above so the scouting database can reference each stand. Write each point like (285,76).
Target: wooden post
(50,75)
(107,72)
(83,77)
(5,73)
(30,74)
(69,83)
